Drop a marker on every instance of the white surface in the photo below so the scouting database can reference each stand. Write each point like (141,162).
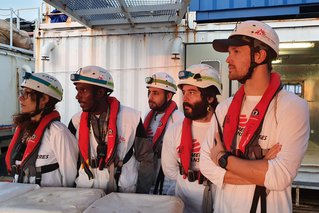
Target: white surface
(141,203)
(11,190)
(52,199)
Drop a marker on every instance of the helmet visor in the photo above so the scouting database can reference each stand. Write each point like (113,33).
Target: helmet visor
(222,45)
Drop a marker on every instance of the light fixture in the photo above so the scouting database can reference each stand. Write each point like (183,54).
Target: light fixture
(277,61)
(176,48)
(296,45)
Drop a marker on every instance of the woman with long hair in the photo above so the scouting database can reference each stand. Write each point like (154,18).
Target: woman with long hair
(42,150)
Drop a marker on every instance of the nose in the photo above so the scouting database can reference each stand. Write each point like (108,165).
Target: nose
(185,97)
(77,95)
(228,59)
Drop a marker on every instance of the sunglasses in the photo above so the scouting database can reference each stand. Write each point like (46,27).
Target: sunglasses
(25,94)
(187,74)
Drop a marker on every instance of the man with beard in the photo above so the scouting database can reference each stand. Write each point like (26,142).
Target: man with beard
(114,152)
(164,113)
(200,85)
(251,171)
(42,150)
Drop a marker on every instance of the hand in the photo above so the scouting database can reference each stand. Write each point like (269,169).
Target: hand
(273,151)
(217,150)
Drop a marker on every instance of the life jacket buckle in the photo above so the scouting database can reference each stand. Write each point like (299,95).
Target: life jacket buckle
(191,175)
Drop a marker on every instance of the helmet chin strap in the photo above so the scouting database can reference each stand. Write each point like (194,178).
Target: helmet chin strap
(253,64)
(37,109)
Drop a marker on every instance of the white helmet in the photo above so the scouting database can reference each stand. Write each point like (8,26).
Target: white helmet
(161,80)
(43,82)
(94,75)
(254,29)
(200,75)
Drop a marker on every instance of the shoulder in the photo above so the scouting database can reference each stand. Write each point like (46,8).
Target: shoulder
(128,111)
(175,129)
(178,115)
(76,119)
(222,107)
(58,128)
(289,101)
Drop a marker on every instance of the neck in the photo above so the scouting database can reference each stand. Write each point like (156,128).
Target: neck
(258,83)
(36,118)
(102,106)
(207,118)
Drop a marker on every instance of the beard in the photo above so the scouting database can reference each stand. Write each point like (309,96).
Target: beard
(158,108)
(198,110)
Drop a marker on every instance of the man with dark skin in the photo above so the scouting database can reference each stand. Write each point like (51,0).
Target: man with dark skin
(114,152)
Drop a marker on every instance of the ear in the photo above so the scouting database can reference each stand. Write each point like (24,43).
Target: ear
(101,92)
(260,56)
(210,100)
(169,96)
(44,100)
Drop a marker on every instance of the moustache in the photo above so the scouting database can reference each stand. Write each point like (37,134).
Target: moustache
(185,104)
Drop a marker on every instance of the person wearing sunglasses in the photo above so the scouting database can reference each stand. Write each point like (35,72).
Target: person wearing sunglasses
(264,129)
(114,152)
(161,89)
(42,151)
(200,84)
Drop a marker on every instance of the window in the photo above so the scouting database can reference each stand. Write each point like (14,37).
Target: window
(295,87)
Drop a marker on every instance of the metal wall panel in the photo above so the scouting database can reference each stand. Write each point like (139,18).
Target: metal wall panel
(130,58)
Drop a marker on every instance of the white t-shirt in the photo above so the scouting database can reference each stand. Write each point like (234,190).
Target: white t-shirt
(190,192)
(58,145)
(286,122)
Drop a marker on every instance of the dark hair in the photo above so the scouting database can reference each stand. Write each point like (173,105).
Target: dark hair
(271,54)
(24,119)
(210,92)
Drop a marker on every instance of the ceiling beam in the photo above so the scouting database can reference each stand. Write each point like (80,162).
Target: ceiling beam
(126,12)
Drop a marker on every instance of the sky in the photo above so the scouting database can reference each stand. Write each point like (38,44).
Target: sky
(29,15)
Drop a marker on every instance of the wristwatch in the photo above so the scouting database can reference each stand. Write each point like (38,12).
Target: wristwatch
(223,160)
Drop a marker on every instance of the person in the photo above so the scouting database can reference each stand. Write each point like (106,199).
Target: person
(42,151)
(114,152)
(260,117)
(200,85)
(161,89)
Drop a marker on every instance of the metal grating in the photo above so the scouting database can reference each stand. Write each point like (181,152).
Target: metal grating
(93,13)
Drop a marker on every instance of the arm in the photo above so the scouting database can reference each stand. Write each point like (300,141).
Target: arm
(293,133)
(144,154)
(169,154)
(66,150)
(241,171)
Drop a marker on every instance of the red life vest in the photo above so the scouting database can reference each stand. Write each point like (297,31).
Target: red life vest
(185,147)
(32,143)
(84,133)
(255,119)
(163,122)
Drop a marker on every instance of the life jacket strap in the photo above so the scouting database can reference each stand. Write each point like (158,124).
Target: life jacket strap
(44,169)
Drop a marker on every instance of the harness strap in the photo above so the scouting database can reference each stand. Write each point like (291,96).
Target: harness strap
(208,197)
(159,182)
(260,191)
(118,169)
(44,169)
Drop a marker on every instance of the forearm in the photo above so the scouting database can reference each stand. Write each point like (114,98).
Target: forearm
(250,171)
(231,178)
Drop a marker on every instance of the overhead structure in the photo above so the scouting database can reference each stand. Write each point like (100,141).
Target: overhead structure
(92,13)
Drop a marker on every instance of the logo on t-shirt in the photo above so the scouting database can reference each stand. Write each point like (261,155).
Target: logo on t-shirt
(195,151)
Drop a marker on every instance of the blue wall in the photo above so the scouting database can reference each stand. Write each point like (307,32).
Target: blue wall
(227,10)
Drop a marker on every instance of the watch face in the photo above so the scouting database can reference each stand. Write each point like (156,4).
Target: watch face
(222,162)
